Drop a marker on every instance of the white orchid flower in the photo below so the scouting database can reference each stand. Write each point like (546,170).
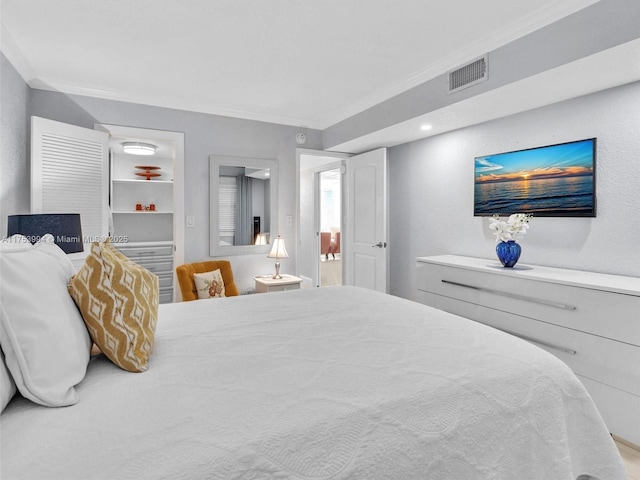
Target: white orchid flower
(517,224)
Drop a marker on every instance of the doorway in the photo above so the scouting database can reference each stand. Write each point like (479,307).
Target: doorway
(329,205)
(363,224)
(364,227)
(309,164)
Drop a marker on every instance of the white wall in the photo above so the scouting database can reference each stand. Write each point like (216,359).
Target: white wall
(14,142)
(431,190)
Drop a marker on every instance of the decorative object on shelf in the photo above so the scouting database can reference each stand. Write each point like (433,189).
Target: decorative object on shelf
(65,228)
(507,232)
(278,251)
(148,171)
(145,208)
(148,175)
(139,148)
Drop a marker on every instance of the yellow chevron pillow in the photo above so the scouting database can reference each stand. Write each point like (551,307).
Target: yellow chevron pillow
(118,300)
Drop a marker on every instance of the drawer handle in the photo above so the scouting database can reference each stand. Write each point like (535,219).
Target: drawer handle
(152,252)
(540,342)
(549,303)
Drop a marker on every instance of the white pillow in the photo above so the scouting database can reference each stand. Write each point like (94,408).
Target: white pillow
(43,336)
(209,284)
(7,385)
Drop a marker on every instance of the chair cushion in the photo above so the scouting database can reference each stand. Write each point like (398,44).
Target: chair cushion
(118,300)
(209,284)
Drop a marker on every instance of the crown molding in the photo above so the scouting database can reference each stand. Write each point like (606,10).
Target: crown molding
(164,101)
(14,55)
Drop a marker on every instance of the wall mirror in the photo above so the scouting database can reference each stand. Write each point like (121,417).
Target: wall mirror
(243,200)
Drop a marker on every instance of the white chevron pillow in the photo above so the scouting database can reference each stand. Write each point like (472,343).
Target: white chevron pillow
(118,300)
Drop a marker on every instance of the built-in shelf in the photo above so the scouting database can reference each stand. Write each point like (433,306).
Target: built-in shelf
(146,182)
(148,233)
(142,212)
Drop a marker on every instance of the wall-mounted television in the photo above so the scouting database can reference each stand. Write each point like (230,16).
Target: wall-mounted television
(551,181)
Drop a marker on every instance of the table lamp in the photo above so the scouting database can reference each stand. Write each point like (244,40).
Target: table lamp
(261,239)
(65,228)
(278,251)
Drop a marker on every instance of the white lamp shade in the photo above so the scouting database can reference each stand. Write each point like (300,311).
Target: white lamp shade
(261,239)
(278,250)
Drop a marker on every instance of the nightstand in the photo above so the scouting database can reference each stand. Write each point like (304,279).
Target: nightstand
(269,284)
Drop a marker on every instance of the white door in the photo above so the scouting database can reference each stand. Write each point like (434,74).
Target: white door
(69,174)
(365,239)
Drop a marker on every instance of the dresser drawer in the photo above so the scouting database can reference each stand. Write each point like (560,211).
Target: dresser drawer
(166,295)
(614,405)
(607,361)
(282,288)
(156,265)
(589,310)
(165,280)
(146,251)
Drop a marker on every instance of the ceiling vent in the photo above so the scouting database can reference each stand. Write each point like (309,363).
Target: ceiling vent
(467,75)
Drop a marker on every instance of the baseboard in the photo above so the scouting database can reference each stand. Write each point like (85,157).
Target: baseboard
(626,442)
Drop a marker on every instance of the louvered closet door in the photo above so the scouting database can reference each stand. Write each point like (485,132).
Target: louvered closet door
(69,174)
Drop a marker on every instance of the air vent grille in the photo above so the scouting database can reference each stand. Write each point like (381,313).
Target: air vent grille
(474,72)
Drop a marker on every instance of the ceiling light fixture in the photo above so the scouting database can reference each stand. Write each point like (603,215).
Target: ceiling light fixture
(138,148)
(425,127)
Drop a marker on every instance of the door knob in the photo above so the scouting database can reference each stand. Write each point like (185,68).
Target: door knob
(380,245)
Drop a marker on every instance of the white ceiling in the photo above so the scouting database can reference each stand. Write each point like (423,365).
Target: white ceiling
(308,63)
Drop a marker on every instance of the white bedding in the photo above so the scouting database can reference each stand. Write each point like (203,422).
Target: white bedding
(332,383)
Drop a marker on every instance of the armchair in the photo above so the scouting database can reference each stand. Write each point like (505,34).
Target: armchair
(188,287)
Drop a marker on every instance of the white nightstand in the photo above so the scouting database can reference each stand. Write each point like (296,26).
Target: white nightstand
(269,284)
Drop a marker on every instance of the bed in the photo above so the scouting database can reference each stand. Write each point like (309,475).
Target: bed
(332,383)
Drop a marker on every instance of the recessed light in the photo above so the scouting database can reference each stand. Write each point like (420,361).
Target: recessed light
(138,148)
(425,127)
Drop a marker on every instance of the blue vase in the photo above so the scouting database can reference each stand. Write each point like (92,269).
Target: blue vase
(508,253)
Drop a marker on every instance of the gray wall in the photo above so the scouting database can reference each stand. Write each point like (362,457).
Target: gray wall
(14,144)
(204,135)
(431,190)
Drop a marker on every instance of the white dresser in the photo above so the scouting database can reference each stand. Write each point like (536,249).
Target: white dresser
(157,257)
(591,321)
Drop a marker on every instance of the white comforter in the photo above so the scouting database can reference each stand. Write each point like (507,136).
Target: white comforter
(332,383)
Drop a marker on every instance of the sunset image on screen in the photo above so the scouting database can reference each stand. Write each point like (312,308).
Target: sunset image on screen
(556,180)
